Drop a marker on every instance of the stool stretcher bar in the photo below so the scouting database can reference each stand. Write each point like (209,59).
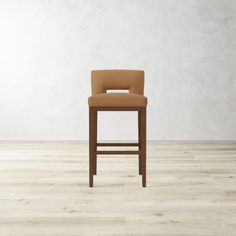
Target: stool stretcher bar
(107,152)
(118,144)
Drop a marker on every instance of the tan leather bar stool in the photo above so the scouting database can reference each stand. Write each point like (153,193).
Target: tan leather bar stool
(103,80)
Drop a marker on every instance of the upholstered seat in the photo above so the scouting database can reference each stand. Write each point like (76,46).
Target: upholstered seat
(117,100)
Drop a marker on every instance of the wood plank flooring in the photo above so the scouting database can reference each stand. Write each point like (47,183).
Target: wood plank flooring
(191,190)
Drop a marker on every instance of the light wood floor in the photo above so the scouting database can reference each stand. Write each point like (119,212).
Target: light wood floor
(191,190)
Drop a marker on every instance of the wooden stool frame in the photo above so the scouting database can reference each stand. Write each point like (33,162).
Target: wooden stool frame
(93,144)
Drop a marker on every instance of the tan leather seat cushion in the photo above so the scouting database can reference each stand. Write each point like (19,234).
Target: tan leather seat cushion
(117,100)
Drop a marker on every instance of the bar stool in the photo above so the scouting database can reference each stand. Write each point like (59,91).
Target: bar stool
(103,80)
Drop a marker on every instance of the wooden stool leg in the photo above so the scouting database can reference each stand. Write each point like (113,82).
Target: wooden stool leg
(143,144)
(91,130)
(95,141)
(139,142)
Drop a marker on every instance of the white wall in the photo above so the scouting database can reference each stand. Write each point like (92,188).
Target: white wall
(186,47)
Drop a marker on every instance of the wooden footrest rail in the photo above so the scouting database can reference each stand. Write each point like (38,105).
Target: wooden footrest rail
(118,144)
(117,152)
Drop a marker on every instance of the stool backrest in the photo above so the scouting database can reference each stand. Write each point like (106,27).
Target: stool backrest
(103,80)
